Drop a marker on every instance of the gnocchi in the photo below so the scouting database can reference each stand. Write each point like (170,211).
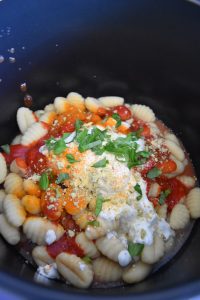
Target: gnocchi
(98,188)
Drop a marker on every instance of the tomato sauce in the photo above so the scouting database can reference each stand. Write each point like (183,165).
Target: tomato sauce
(178,190)
(16,151)
(64,244)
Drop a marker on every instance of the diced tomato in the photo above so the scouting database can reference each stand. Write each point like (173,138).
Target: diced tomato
(139,125)
(52,202)
(167,166)
(16,151)
(178,190)
(64,244)
(36,161)
(102,112)
(123,111)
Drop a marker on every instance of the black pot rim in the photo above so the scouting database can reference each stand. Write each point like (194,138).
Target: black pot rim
(32,289)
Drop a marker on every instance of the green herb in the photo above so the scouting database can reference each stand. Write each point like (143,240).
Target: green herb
(59,147)
(137,188)
(71,159)
(6,148)
(101,163)
(44,181)
(94,223)
(87,259)
(99,203)
(50,143)
(62,177)
(90,140)
(163,196)
(135,249)
(118,119)
(78,124)
(153,173)
(83,148)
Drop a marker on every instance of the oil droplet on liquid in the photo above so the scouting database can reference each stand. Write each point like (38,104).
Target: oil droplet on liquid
(28,100)
(23,87)
(12,60)
(1,59)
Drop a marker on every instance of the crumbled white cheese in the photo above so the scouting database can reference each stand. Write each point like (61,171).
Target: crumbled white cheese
(111,234)
(141,144)
(50,237)
(124,258)
(71,233)
(35,177)
(81,266)
(164,229)
(70,138)
(49,271)
(44,150)
(126,124)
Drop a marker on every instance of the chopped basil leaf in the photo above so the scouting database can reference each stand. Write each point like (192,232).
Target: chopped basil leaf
(71,159)
(50,143)
(153,173)
(83,148)
(44,181)
(99,203)
(101,163)
(163,196)
(118,119)
(62,177)
(78,124)
(6,148)
(59,147)
(87,259)
(135,249)
(94,223)
(137,188)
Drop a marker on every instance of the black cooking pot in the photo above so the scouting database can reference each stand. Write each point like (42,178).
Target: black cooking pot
(146,51)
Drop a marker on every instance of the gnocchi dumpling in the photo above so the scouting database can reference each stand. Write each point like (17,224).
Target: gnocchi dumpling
(86,245)
(179,217)
(137,272)
(153,253)
(110,246)
(25,118)
(193,202)
(143,112)
(74,270)
(3,168)
(10,233)
(35,229)
(35,132)
(41,256)
(106,270)
(14,185)
(14,211)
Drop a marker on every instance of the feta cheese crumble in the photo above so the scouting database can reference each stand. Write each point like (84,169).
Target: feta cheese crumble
(50,237)
(124,258)
(49,271)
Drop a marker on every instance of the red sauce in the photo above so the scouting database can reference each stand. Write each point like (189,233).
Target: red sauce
(68,223)
(178,190)
(64,244)
(16,151)
(36,161)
